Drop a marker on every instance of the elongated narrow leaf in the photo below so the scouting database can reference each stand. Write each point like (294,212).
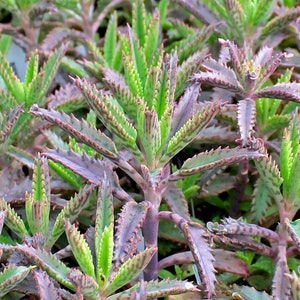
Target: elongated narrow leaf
(86,285)
(32,68)
(294,279)
(174,198)
(48,262)
(108,112)
(12,220)
(121,92)
(270,175)
(284,91)
(250,293)
(130,269)
(130,222)
(219,157)
(246,119)
(38,202)
(104,238)
(8,121)
(81,130)
(184,110)
(152,39)
(70,212)
(13,84)
(80,249)
(50,67)
(139,19)
(199,10)
(46,287)
(279,22)
(260,201)
(12,276)
(138,57)
(161,288)
(110,40)
(190,129)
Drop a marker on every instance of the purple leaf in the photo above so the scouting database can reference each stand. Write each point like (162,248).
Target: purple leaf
(284,91)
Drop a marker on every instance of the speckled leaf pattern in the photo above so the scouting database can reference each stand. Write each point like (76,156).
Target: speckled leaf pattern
(250,293)
(80,249)
(130,269)
(184,109)
(11,276)
(104,235)
(154,289)
(8,121)
(261,200)
(38,202)
(197,241)
(190,129)
(45,286)
(81,130)
(12,82)
(70,212)
(279,22)
(129,224)
(48,262)
(12,220)
(213,158)
(110,113)
(246,119)
(236,15)
(85,284)
(284,91)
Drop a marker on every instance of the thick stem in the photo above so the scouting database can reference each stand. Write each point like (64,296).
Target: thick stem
(150,229)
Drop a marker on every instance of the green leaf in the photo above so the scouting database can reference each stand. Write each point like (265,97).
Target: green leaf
(250,293)
(86,286)
(139,20)
(130,269)
(12,82)
(260,201)
(49,69)
(190,129)
(80,249)
(32,68)
(12,220)
(138,57)
(48,262)
(70,212)
(5,40)
(110,114)
(152,39)
(110,40)
(219,157)
(104,255)
(104,241)
(81,130)
(11,277)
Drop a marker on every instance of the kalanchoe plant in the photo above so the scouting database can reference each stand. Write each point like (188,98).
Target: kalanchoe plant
(146,130)
(275,188)
(250,23)
(245,77)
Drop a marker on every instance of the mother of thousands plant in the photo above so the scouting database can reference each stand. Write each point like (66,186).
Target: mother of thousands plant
(146,129)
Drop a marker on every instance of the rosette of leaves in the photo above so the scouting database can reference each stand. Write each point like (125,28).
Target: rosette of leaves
(14,93)
(276,197)
(245,77)
(107,263)
(254,23)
